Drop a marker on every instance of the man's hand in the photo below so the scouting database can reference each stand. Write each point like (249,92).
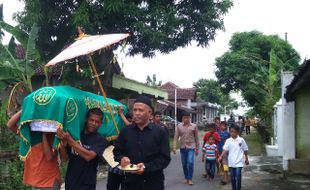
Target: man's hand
(220,159)
(125,161)
(121,110)
(141,167)
(174,151)
(247,161)
(196,152)
(70,140)
(61,134)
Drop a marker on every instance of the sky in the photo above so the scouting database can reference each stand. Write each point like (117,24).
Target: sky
(187,65)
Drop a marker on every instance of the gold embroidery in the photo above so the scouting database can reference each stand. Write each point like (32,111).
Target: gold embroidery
(93,103)
(71,110)
(44,95)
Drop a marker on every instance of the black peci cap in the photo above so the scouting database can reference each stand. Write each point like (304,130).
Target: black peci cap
(185,113)
(145,100)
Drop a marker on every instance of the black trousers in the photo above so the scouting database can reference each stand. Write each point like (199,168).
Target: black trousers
(115,181)
(154,181)
(248,130)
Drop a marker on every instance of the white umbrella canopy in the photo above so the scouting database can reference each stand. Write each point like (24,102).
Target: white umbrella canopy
(86,45)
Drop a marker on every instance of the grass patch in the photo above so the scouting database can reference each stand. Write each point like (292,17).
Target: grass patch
(255,143)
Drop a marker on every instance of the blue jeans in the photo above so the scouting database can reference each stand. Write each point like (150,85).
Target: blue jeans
(235,174)
(210,168)
(187,157)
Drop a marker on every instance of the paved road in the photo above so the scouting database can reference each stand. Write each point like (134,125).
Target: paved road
(174,177)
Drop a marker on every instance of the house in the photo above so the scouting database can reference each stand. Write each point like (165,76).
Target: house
(187,100)
(283,126)
(292,122)
(298,92)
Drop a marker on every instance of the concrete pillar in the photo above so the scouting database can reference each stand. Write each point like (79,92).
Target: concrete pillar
(189,103)
(280,128)
(288,122)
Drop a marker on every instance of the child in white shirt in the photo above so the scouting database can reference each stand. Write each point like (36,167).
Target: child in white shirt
(237,148)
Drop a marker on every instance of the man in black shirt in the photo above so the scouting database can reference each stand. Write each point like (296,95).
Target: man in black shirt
(230,121)
(146,145)
(157,121)
(83,158)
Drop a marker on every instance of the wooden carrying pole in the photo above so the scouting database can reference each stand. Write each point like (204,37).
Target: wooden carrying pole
(92,65)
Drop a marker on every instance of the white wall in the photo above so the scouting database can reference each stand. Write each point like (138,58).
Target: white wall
(284,125)
(279,138)
(288,113)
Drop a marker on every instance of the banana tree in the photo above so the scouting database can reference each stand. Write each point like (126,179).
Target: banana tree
(266,82)
(13,69)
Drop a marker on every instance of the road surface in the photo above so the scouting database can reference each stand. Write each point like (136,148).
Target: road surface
(174,176)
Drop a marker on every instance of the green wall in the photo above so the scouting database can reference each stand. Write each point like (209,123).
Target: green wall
(302,113)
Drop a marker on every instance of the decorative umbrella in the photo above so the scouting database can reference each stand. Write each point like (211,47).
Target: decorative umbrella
(85,45)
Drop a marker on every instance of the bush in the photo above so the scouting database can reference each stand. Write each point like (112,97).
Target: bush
(264,132)
(11,176)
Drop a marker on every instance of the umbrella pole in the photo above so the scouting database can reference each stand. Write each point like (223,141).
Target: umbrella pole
(92,65)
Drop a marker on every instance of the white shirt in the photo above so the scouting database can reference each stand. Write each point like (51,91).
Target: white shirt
(235,148)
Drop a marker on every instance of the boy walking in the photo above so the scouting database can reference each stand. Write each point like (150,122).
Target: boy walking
(210,154)
(224,135)
(237,148)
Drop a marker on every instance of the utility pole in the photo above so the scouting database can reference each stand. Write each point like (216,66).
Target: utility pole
(286,36)
(175,107)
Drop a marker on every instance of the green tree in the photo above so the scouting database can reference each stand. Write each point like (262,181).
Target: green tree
(1,19)
(211,91)
(153,81)
(253,66)
(154,25)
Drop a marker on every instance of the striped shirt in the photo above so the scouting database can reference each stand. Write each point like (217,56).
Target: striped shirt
(210,151)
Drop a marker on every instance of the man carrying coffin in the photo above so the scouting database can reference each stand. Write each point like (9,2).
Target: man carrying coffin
(84,157)
(41,168)
(144,146)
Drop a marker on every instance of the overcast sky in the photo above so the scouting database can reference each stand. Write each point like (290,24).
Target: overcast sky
(187,65)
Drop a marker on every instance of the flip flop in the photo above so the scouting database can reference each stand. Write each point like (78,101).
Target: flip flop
(190,183)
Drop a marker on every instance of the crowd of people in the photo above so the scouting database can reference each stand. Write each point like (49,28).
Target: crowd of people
(144,143)
(223,150)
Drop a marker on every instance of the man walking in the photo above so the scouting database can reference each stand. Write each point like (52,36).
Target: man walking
(83,158)
(189,143)
(231,121)
(248,126)
(145,145)
(157,120)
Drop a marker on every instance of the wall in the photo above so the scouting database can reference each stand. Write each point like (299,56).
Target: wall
(302,110)
(288,123)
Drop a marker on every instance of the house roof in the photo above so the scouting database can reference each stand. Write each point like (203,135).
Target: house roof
(55,70)
(169,85)
(163,104)
(301,78)
(120,82)
(182,93)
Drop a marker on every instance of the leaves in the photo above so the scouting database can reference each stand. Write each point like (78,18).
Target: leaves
(211,91)
(253,66)
(20,35)
(13,69)
(155,26)
(153,81)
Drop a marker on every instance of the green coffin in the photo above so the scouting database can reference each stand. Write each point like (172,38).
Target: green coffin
(66,107)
